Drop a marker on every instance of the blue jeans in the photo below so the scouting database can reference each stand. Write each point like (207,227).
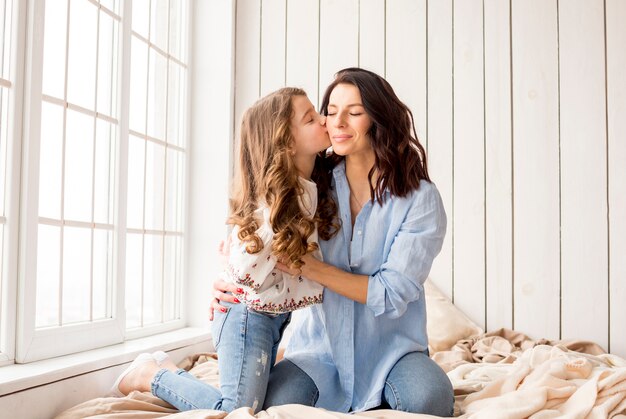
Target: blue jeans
(415,384)
(246,342)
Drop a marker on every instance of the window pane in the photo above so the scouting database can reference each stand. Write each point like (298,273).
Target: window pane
(4,34)
(141,15)
(55,32)
(104,181)
(134,262)
(138,85)
(102,273)
(6,7)
(50,161)
(1,274)
(174,197)
(159,23)
(76,275)
(4,122)
(78,166)
(107,65)
(155,186)
(48,257)
(81,72)
(157,95)
(136,153)
(171,278)
(176,104)
(178,29)
(153,279)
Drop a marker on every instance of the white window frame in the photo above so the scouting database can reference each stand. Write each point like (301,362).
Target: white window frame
(9,246)
(36,344)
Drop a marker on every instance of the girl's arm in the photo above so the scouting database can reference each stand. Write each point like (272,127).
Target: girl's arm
(349,285)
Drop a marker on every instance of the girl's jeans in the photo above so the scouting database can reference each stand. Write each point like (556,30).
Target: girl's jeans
(246,342)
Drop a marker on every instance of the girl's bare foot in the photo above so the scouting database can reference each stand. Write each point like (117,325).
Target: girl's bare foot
(169,364)
(137,376)
(164,361)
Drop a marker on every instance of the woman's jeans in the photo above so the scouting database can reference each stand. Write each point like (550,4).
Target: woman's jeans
(415,384)
(246,342)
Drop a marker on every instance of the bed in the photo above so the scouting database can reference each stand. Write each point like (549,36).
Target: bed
(500,374)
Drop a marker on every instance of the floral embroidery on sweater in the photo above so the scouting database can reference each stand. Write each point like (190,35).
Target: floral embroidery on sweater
(286,306)
(242,280)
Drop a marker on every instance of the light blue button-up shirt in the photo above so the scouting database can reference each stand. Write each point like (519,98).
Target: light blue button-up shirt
(346,347)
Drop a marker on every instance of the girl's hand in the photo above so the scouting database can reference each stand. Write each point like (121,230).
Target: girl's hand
(220,290)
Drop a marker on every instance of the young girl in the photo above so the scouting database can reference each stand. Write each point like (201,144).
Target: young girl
(273,213)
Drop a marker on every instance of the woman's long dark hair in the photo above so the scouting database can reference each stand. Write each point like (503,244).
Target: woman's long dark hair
(400,158)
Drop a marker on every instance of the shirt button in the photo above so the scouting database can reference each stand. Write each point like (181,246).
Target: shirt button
(358,232)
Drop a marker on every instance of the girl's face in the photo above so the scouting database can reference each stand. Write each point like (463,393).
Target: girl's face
(347,122)
(308,129)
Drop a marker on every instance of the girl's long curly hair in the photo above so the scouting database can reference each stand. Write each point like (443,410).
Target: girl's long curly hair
(266,176)
(400,159)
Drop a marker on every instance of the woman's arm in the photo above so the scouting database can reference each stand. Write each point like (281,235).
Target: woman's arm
(221,288)
(349,285)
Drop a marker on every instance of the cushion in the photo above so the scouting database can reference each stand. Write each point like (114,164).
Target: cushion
(446,323)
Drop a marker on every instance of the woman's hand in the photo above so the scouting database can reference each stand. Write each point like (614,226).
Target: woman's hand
(308,262)
(220,292)
(353,286)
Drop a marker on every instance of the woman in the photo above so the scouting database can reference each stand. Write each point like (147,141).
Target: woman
(366,345)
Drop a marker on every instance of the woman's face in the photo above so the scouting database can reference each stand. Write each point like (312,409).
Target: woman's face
(308,128)
(347,122)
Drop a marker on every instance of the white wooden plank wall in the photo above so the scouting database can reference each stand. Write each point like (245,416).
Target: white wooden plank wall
(522,106)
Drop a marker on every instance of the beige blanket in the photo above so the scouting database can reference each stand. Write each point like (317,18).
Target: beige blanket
(505,374)
(500,374)
(545,382)
(500,380)
(139,405)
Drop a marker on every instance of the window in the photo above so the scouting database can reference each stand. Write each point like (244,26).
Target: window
(104,185)
(156,148)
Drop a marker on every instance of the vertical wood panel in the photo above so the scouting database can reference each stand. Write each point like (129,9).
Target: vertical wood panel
(469,180)
(584,245)
(406,56)
(273,25)
(372,35)
(339,39)
(247,54)
(535,168)
(616,107)
(498,180)
(302,46)
(439,136)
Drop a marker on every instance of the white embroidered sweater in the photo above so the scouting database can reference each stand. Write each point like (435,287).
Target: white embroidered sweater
(266,288)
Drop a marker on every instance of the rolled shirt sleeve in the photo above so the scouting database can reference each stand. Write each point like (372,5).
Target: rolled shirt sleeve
(419,239)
